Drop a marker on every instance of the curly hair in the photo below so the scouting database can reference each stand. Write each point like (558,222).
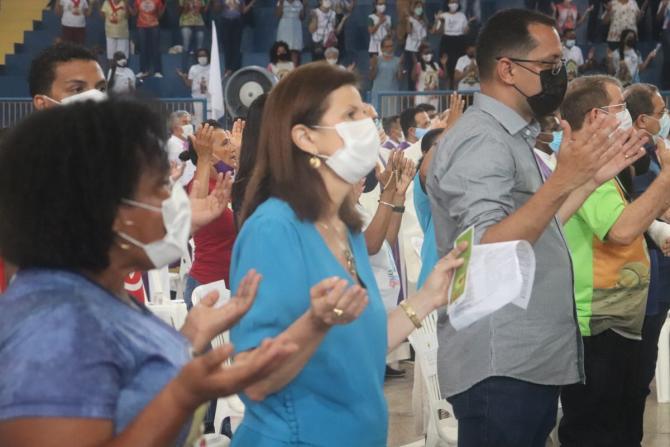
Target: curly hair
(63,174)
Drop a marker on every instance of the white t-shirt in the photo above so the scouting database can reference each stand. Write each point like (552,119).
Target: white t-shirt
(416,36)
(281,68)
(378,36)
(124,80)
(470,82)
(325,24)
(454,24)
(574,58)
(176,146)
(629,71)
(199,76)
(73,15)
(384,268)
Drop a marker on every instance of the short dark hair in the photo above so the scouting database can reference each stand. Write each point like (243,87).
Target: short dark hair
(638,99)
(43,68)
(63,174)
(584,94)
(389,122)
(273,50)
(506,34)
(428,139)
(408,119)
(426,107)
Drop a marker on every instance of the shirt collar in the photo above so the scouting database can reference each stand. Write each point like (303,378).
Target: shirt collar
(506,116)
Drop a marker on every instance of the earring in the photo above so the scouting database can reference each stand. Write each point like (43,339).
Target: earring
(124,247)
(315,162)
(128,222)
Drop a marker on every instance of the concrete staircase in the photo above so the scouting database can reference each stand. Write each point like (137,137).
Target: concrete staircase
(17,16)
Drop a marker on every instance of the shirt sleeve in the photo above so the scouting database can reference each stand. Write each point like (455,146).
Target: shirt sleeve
(461,64)
(602,209)
(59,363)
(271,247)
(469,191)
(191,72)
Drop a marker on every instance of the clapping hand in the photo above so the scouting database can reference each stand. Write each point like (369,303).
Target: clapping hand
(203,141)
(334,302)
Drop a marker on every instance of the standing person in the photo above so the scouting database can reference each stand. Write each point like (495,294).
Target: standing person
(322,29)
(280,60)
(466,73)
(544,6)
(626,62)
(622,15)
(115,373)
(148,14)
(120,79)
(115,14)
(663,16)
(386,71)
(453,25)
(611,264)
(574,57)
(567,16)
(191,23)
(343,10)
(197,80)
(417,30)
(291,13)
(230,29)
(649,114)
(73,15)
(515,355)
(379,26)
(180,128)
(301,210)
(427,74)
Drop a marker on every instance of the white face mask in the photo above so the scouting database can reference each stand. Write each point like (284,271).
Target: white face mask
(453,7)
(326,4)
(381,8)
(187,129)
(569,43)
(89,95)
(427,57)
(202,60)
(360,152)
(332,61)
(122,62)
(176,211)
(625,120)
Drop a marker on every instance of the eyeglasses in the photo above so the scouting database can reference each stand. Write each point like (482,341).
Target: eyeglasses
(556,66)
(617,108)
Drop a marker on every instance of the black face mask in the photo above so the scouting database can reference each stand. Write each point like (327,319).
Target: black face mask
(283,57)
(553,91)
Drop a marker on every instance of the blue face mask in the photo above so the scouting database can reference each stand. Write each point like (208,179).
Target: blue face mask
(420,132)
(555,144)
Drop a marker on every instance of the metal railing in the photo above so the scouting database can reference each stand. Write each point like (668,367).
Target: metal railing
(13,110)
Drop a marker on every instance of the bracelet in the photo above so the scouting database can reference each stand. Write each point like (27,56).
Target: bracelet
(411,314)
(394,208)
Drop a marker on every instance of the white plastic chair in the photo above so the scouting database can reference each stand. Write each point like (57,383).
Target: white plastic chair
(663,365)
(444,431)
(232,405)
(159,285)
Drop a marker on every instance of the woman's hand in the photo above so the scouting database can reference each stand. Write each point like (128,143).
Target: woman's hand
(176,170)
(333,302)
(204,321)
(236,134)
(387,177)
(203,141)
(436,287)
(405,173)
(205,210)
(207,377)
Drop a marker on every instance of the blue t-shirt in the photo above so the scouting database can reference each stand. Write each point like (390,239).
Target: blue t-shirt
(337,399)
(70,349)
(429,256)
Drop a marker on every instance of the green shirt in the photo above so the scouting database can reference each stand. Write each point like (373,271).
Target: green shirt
(611,280)
(193,15)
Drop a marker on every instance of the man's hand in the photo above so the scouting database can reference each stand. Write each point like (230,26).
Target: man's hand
(631,142)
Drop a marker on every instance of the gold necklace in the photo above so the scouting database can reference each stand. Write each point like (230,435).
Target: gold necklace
(346,251)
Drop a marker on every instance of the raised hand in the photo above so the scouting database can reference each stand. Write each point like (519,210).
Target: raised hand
(334,302)
(205,210)
(386,176)
(627,146)
(236,134)
(404,176)
(203,141)
(456,106)
(207,377)
(204,321)
(176,170)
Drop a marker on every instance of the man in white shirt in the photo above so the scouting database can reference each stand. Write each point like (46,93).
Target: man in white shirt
(73,15)
(180,126)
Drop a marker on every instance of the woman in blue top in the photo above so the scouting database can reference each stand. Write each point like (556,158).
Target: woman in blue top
(300,229)
(84,202)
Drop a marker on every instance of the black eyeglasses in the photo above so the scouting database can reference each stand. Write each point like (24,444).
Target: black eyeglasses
(556,66)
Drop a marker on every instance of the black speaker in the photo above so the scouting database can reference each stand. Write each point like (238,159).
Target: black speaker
(245,85)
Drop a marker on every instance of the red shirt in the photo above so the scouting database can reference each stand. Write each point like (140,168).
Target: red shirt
(148,12)
(3,284)
(214,247)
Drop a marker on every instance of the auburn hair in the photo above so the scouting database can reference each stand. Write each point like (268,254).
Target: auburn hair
(282,169)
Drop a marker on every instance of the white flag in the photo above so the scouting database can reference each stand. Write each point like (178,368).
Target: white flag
(215,106)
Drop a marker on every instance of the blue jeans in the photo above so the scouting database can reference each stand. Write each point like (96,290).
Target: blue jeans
(192,283)
(186,37)
(505,412)
(150,53)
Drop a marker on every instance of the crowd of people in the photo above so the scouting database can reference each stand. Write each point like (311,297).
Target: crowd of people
(304,209)
(402,57)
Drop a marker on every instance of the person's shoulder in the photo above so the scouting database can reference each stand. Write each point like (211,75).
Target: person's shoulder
(272,213)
